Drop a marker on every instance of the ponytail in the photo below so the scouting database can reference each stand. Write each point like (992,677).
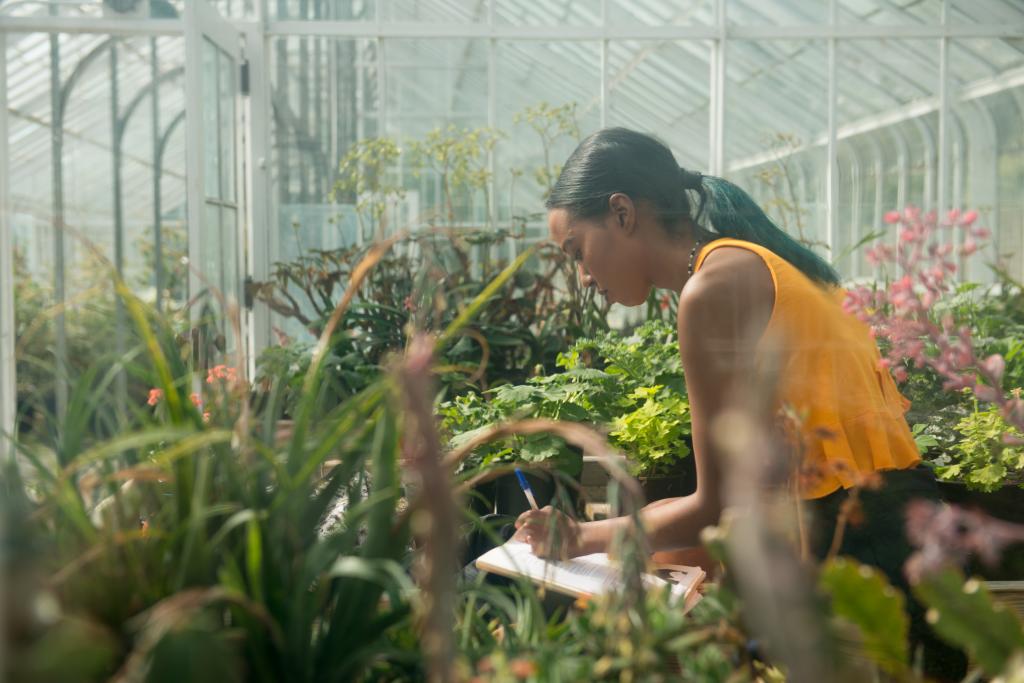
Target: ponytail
(733,213)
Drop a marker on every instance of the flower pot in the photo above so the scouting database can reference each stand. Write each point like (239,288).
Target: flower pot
(682,482)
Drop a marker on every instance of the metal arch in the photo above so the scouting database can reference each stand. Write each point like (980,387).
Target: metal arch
(928,144)
(77,72)
(986,161)
(856,192)
(1017,95)
(878,163)
(902,168)
(140,96)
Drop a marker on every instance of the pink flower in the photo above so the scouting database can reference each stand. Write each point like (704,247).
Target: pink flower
(969,246)
(155,396)
(225,372)
(994,365)
(982,233)
(892,217)
(953,214)
(968,218)
(196,400)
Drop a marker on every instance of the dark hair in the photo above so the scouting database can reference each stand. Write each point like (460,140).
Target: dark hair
(642,167)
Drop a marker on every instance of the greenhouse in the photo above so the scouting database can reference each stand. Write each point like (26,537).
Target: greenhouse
(308,307)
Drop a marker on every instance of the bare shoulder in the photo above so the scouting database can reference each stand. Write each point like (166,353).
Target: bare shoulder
(732,295)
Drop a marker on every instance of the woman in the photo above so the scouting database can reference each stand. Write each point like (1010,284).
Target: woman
(749,296)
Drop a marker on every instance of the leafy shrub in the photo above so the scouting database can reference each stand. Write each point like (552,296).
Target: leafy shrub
(630,386)
(982,458)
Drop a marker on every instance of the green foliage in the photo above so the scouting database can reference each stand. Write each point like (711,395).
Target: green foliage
(424,281)
(550,123)
(631,386)
(981,458)
(862,596)
(653,433)
(611,639)
(965,614)
(365,180)
(229,561)
(458,157)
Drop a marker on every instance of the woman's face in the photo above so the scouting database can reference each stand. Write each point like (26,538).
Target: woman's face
(608,254)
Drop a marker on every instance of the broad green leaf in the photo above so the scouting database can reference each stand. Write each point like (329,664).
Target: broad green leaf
(862,596)
(965,614)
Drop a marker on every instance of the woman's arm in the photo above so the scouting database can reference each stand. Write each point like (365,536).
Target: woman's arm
(723,312)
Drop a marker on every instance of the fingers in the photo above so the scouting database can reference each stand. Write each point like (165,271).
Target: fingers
(534,517)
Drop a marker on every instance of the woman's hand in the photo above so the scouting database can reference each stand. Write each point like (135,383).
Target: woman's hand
(550,533)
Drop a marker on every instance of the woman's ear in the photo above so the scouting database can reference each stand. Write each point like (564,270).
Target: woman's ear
(623,211)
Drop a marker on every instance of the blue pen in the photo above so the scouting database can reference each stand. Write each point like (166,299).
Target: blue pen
(525,485)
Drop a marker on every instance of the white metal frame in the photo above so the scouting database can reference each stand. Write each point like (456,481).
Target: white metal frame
(8,386)
(369,29)
(259,203)
(203,23)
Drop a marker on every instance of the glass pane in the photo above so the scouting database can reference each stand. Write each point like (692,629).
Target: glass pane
(212,273)
(235,9)
(887,13)
(984,153)
(318,119)
(111,9)
(559,85)
(342,10)
(774,12)
(888,131)
(231,279)
(547,13)
(663,88)
(211,128)
(775,133)
(633,13)
(231,276)
(63,220)
(452,11)
(434,82)
(227,90)
(1007,12)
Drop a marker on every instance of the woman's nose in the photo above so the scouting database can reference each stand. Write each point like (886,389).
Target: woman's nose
(585,279)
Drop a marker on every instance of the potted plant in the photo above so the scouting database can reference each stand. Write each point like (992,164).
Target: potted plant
(656,437)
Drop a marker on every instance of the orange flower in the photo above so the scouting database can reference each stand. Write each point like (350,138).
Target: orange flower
(522,668)
(155,396)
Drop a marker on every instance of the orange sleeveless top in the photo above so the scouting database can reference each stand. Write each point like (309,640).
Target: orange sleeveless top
(829,373)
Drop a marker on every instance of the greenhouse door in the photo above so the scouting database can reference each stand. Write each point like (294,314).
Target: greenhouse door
(216,253)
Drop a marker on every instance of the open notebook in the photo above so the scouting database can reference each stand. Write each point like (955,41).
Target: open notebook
(584,576)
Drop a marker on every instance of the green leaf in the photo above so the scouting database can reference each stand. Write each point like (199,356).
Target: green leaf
(965,614)
(862,596)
